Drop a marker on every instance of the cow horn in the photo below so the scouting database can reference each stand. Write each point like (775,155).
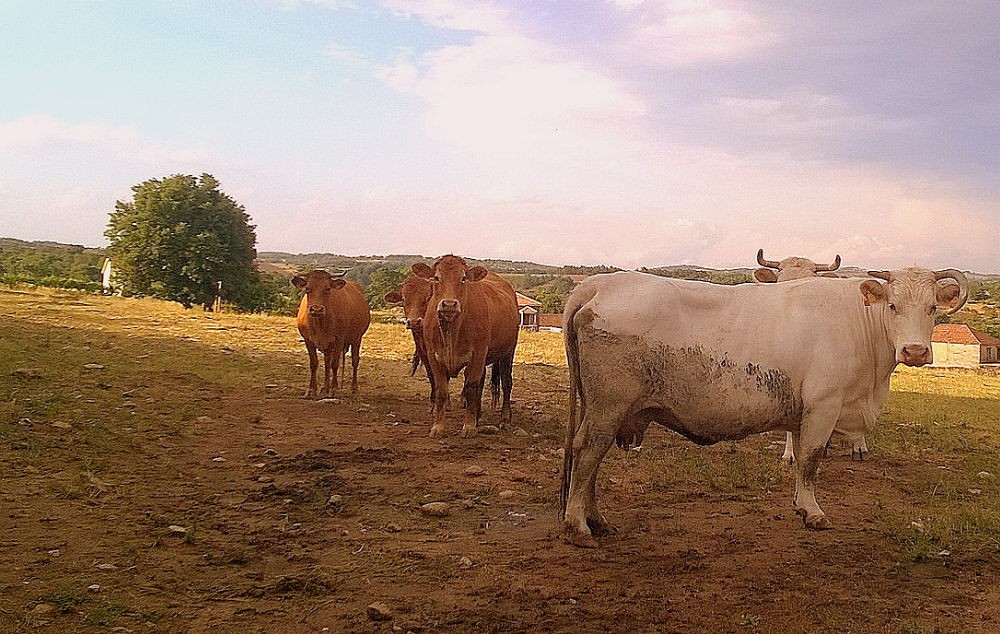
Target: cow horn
(963,285)
(761,261)
(830,267)
(341,274)
(882,275)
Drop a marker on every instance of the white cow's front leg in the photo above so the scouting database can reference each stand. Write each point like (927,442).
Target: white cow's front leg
(789,456)
(809,444)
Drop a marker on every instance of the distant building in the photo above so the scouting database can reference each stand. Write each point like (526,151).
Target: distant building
(107,276)
(529,308)
(959,346)
(550,321)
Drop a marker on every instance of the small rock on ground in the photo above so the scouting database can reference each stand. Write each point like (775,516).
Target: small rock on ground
(436,509)
(379,611)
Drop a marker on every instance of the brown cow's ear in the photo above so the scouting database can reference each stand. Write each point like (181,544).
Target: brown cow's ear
(873,292)
(765,276)
(947,295)
(393,297)
(337,283)
(476,274)
(299,281)
(422,271)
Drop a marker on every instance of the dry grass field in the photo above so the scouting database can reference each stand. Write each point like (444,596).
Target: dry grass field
(160,472)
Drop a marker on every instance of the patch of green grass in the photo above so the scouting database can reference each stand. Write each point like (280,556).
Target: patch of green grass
(105,614)
(66,598)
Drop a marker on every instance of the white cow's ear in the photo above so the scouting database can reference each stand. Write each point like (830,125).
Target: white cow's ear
(873,292)
(947,295)
(765,276)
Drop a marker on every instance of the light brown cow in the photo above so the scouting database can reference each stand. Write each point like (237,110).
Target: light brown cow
(792,269)
(333,316)
(471,321)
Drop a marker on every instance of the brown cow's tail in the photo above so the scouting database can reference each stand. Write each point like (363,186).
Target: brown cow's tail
(495,374)
(573,305)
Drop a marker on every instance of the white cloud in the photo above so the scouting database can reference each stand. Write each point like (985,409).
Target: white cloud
(460,15)
(689,32)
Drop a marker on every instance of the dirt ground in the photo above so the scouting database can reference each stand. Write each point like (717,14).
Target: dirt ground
(197,496)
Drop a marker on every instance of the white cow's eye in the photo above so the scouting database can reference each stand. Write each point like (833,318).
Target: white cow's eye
(892,307)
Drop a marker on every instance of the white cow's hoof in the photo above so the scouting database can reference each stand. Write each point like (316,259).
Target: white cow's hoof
(818,523)
(436,432)
(578,538)
(468,432)
(788,459)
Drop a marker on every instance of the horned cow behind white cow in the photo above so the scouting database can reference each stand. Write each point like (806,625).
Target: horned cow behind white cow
(693,357)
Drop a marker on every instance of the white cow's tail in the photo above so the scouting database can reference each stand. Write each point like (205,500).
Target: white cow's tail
(573,305)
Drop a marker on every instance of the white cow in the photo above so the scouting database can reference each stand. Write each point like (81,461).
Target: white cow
(718,363)
(796,268)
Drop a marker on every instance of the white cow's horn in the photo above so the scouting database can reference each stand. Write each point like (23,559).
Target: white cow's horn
(830,267)
(882,275)
(767,263)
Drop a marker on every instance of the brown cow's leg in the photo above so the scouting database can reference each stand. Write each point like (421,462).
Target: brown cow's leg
(313,365)
(355,360)
(336,353)
(327,359)
(439,398)
(506,383)
(475,372)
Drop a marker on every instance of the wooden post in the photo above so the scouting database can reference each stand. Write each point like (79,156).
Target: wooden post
(217,306)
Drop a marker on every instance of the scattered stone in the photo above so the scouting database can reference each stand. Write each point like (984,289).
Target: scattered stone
(944,553)
(392,528)
(93,366)
(917,525)
(520,432)
(27,373)
(331,400)
(265,479)
(475,471)
(379,611)
(335,500)
(436,509)
(177,530)
(218,459)
(260,465)
(204,420)
(55,552)
(489,430)
(24,421)
(984,474)
(271,386)
(975,491)
(465,562)
(106,567)
(43,608)
(507,494)
(518,477)
(94,587)
(62,425)
(270,452)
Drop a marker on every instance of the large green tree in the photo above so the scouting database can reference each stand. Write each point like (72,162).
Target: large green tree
(178,237)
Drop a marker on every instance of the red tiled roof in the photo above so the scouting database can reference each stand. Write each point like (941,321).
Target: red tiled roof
(524,300)
(962,334)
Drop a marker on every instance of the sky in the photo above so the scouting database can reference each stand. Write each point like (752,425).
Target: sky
(623,132)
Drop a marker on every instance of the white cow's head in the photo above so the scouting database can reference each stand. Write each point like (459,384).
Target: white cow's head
(791,269)
(910,300)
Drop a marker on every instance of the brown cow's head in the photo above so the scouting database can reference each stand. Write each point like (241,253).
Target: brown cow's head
(792,269)
(318,286)
(413,293)
(449,278)
(910,299)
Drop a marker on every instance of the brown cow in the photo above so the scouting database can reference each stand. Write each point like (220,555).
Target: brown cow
(333,316)
(471,321)
(414,293)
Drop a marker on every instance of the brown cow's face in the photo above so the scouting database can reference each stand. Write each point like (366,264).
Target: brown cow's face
(414,294)
(318,285)
(911,299)
(449,280)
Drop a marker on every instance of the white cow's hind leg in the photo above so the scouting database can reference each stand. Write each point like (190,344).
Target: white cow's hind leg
(789,456)
(593,439)
(809,445)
